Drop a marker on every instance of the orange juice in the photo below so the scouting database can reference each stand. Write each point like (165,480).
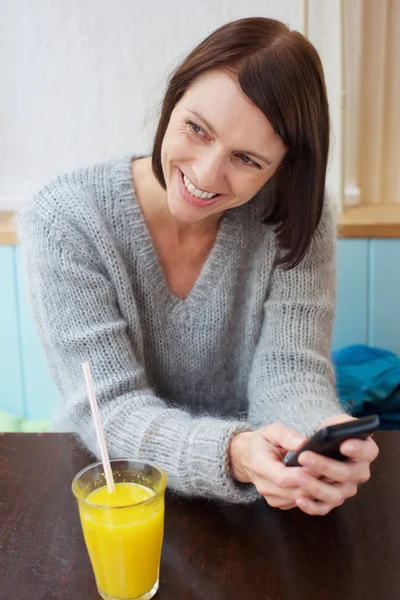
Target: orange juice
(123,532)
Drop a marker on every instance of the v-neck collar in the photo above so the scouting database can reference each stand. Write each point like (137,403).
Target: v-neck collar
(220,258)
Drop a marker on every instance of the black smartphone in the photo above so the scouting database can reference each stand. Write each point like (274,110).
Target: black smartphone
(328,440)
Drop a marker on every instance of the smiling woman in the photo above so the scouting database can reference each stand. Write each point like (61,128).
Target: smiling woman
(212,158)
(210,168)
(199,281)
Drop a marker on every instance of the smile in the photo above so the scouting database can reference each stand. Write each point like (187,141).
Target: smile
(194,191)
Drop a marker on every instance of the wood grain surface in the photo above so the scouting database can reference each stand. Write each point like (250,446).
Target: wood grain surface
(211,551)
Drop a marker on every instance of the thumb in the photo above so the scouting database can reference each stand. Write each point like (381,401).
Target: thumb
(284,437)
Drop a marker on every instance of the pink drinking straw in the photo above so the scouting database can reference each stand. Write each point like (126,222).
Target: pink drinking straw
(99,429)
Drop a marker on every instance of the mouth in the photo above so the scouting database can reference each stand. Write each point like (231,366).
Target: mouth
(194,195)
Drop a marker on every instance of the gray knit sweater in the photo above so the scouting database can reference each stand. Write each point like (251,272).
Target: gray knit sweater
(176,379)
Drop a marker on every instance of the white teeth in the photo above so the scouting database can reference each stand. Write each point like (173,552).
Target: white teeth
(195,191)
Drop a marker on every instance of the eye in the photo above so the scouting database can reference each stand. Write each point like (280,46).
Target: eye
(246,160)
(196,129)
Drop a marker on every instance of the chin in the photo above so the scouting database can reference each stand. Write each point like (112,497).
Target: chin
(180,209)
(183,212)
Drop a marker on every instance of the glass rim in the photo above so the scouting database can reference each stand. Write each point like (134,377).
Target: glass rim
(164,481)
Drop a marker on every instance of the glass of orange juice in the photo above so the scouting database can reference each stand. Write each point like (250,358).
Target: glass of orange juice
(123,530)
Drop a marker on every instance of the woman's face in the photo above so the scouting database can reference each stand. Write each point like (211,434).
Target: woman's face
(218,151)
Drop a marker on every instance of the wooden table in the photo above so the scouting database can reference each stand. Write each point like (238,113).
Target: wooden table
(211,552)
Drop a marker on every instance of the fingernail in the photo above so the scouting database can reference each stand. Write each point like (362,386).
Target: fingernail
(350,447)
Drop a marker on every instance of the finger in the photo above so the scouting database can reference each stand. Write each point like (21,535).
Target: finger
(327,480)
(335,420)
(282,481)
(279,502)
(362,450)
(274,476)
(281,436)
(331,494)
(332,470)
(269,489)
(314,508)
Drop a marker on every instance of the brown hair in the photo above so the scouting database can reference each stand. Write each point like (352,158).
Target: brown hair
(281,72)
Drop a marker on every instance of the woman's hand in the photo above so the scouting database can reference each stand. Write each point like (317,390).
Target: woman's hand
(316,487)
(257,457)
(336,481)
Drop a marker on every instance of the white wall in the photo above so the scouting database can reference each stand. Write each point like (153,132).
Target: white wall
(81,80)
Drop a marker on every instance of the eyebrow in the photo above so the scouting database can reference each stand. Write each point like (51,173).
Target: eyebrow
(213,131)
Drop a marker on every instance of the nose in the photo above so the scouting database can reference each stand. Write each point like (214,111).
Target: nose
(209,169)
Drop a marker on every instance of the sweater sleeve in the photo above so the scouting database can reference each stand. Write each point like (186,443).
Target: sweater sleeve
(292,378)
(76,312)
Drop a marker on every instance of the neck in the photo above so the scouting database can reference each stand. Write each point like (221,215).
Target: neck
(153,201)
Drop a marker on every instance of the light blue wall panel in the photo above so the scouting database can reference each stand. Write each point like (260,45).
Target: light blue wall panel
(368,311)
(384,292)
(40,392)
(11,382)
(351,324)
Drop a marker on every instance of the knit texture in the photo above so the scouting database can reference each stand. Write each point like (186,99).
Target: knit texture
(176,379)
